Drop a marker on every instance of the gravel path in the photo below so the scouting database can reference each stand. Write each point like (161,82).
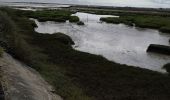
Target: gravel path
(23,83)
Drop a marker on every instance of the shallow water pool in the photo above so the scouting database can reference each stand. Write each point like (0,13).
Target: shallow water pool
(116,42)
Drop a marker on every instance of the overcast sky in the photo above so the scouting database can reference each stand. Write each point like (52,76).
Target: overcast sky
(134,3)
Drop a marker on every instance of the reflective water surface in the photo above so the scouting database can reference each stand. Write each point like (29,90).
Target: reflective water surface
(119,43)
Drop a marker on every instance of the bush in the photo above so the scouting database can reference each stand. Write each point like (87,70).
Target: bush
(74,19)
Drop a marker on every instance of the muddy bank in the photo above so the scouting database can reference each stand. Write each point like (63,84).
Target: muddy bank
(24,83)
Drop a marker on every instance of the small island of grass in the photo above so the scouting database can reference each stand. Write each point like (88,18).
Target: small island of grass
(51,15)
(74,19)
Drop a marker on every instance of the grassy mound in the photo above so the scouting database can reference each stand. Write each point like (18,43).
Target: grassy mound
(49,15)
(1,51)
(74,19)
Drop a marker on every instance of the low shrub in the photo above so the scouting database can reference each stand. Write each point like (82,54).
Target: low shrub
(74,19)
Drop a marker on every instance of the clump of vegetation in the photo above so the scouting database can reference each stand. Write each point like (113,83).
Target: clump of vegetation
(49,15)
(33,24)
(111,20)
(74,19)
(80,23)
(58,37)
(78,75)
(167,67)
(165,29)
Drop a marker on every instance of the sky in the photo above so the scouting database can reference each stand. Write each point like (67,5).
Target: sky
(131,3)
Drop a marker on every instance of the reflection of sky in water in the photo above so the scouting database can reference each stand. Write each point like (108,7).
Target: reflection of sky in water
(120,43)
(136,3)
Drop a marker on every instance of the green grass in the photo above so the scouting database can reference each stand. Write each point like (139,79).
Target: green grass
(74,19)
(48,15)
(143,21)
(78,75)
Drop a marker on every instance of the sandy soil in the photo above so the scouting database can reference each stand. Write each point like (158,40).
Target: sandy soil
(23,83)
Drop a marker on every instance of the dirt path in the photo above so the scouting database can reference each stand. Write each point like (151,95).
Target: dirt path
(24,83)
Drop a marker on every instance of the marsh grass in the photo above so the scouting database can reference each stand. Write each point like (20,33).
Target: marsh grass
(74,19)
(143,21)
(51,15)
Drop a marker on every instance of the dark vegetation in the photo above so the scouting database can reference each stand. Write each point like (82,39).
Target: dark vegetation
(74,19)
(77,75)
(51,15)
(116,20)
(159,49)
(167,67)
